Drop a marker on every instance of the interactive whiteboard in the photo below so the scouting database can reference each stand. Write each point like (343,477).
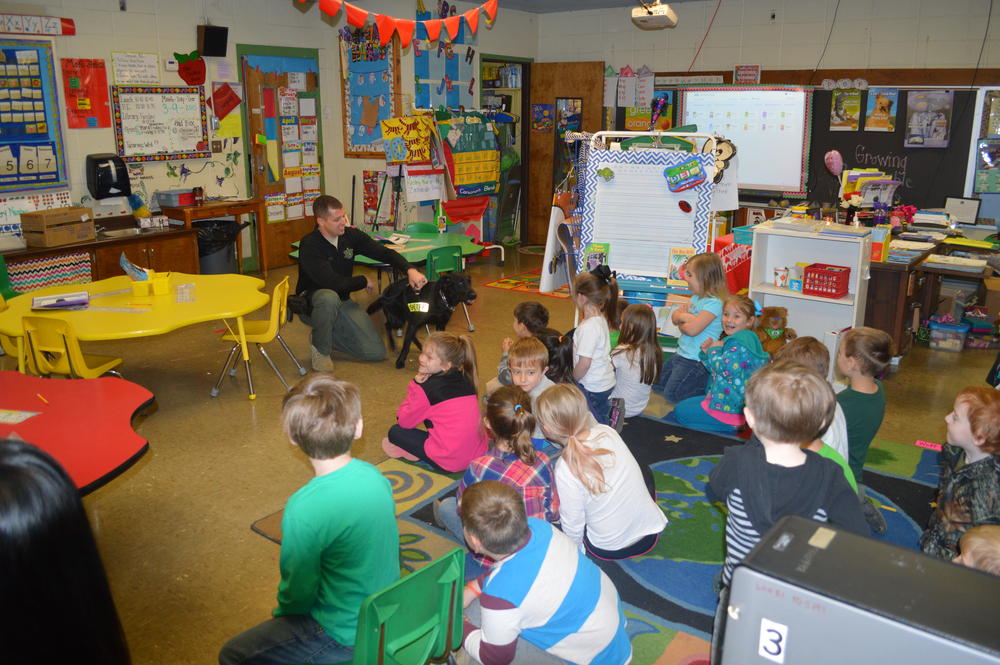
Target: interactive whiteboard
(156,123)
(770,126)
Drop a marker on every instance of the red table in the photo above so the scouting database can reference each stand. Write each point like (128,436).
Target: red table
(85,424)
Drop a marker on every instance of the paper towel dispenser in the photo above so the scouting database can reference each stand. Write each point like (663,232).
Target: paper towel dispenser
(107,176)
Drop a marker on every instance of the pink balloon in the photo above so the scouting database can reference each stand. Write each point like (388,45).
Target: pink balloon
(834,162)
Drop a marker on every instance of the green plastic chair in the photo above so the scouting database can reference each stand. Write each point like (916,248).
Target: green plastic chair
(447,259)
(417,619)
(6,290)
(421,227)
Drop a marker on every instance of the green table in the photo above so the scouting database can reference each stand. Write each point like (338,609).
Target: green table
(415,251)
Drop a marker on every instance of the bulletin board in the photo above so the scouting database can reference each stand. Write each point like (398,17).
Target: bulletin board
(628,204)
(32,155)
(370,89)
(928,175)
(157,123)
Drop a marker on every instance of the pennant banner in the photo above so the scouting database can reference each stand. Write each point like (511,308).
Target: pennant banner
(389,25)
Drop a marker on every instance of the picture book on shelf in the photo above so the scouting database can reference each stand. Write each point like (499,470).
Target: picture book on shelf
(678,257)
(595,255)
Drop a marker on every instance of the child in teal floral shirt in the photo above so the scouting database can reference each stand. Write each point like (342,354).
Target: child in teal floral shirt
(731,362)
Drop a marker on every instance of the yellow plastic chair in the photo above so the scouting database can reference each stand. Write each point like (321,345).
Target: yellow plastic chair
(52,348)
(260,333)
(447,259)
(415,620)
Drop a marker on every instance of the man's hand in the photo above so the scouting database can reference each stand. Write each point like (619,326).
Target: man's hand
(416,279)
(506,344)
(369,285)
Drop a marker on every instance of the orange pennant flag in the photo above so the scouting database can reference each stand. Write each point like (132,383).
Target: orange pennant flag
(490,7)
(433,29)
(386,26)
(472,18)
(405,28)
(452,24)
(355,15)
(330,7)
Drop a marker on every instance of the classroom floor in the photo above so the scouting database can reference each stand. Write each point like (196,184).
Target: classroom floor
(174,530)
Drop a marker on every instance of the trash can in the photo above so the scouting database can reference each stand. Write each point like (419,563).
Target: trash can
(217,246)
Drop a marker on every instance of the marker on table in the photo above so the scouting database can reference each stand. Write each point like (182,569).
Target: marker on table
(39,396)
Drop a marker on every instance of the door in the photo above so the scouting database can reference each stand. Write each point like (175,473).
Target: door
(284,144)
(551,81)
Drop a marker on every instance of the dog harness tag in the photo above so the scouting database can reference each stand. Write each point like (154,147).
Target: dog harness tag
(419,307)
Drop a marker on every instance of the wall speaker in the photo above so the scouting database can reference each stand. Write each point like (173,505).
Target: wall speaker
(212,40)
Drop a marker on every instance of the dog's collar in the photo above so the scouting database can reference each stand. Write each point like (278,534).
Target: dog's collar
(444,301)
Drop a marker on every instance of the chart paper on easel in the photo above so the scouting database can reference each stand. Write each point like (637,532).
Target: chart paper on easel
(629,204)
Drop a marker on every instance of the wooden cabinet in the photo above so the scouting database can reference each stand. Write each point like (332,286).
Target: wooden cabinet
(896,297)
(178,253)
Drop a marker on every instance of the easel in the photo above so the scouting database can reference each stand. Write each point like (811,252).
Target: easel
(601,141)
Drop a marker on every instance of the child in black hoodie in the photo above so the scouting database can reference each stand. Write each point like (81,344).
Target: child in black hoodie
(787,404)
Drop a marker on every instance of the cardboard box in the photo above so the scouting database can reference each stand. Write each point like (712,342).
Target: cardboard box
(58,226)
(992,303)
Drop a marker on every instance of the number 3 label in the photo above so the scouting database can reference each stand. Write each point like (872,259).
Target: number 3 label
(773,641)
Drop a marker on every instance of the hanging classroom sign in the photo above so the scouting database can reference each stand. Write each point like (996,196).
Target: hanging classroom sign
(156,123)
(135,68)
(32,155)
(370,89)
(85,87)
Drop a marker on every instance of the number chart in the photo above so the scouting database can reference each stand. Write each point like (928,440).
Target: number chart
(32,155)
(156,123)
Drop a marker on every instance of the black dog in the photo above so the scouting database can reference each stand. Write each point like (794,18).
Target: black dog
(432,305)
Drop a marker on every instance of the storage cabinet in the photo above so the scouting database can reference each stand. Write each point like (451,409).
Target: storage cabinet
(810,315)
(895,300)
(178,253)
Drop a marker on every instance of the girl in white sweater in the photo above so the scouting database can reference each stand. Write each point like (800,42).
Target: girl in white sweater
(605,505)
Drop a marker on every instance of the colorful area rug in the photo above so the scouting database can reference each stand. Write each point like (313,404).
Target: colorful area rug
(527,282)
(667,594)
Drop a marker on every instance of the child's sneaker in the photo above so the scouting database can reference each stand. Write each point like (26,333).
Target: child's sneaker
(617,415)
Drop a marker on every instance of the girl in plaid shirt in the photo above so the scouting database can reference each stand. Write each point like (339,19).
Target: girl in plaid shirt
(511,459)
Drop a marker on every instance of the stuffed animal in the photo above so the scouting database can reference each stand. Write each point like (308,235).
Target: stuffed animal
(772,329)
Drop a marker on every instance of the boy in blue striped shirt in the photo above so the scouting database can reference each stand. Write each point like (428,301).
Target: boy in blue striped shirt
(543,601)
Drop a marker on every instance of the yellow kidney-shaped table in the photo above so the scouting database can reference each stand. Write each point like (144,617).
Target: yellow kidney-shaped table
(116,312)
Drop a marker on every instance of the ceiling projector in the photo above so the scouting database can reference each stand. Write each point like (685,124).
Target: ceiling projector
(654,16)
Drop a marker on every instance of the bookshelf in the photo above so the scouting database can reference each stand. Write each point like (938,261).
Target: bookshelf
(810,315)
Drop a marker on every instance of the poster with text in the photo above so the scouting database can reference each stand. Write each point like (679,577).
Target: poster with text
(85,85)
(987,166)
(881,113)
(845,111)
(928,118)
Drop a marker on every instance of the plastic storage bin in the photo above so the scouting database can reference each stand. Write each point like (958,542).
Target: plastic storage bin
(821,279)
(948,336)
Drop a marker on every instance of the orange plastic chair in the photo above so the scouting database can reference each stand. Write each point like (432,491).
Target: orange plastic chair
(52,348)
(260,333)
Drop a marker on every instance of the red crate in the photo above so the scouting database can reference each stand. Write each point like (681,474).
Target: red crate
(826,281)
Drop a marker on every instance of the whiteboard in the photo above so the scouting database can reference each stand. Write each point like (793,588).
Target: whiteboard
(155,123)
(770,126)
(628,204)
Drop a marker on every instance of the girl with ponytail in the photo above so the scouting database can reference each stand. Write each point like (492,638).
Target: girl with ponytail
(596,295)
(606,501)
(443,397)
(511,459)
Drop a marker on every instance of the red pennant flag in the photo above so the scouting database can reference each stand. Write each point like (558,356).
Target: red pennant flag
(472,18)
(355,15)
(433,29)
(330,7)
(405,28)
(452,24)
(386,26)
(490,7)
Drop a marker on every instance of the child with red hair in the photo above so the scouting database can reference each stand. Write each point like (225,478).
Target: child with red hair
(969,490)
